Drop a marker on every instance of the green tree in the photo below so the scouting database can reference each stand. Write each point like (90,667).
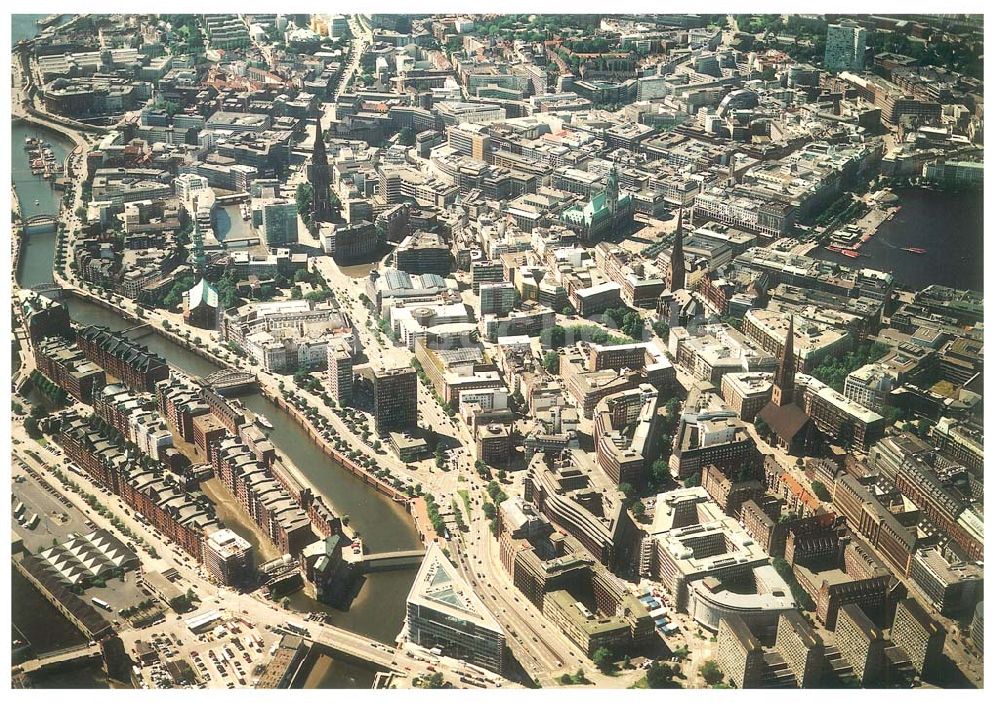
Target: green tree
(628,489)
(435,680)
(31,427)
(892,415)
(632,325)
(551,361)
(659,472)
(639,511)
(660,676)
(554,337)
(711,672)
(407,137)
(604,659)
(821,492)
(303,201)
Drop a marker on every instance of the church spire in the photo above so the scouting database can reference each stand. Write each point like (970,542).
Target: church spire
(319,145)
(783,390)
(320,179)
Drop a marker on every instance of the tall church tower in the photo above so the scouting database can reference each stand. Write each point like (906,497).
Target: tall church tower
(677,255)
(320,180)
(783,389)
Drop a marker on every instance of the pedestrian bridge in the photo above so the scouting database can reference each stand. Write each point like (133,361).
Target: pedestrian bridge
(387,561)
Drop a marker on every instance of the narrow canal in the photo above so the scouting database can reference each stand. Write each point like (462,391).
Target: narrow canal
(379,607)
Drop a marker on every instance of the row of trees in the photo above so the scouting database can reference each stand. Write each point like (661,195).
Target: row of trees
(434,513)
(55,395)
(625,319)
(558,336)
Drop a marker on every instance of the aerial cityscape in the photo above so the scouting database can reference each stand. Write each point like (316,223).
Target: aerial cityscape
(433,351)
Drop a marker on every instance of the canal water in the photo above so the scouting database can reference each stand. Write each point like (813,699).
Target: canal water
(949,225)
(24,27)
(379,607)
(31,188)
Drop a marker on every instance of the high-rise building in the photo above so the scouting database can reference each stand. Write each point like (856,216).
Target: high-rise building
(676,280)
(228,557)
(472,140)
(919,635)
(845,47)
(497,298)
(741,656)
(320,179)
(860,643)
(869,386)
(423,252)
(395,399)
(783,390)
(340,371)
(442,611)
(281,222)
(801,648)
(950,587)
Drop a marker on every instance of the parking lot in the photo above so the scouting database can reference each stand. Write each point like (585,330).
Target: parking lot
(57,518)
(232,654)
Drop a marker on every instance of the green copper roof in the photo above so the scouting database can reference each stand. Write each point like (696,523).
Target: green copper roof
(203,294)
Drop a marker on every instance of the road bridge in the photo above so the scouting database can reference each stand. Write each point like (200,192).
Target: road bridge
(51,290)
(61,657)
(40,224)
(231,381)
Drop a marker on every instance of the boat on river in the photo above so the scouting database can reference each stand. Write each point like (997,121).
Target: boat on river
(915,250)
(264,422)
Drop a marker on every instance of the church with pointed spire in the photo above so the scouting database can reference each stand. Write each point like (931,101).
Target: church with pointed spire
(201,303)
(787,423)
(320,178)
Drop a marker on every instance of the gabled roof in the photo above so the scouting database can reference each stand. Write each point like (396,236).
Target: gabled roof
(786,421)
